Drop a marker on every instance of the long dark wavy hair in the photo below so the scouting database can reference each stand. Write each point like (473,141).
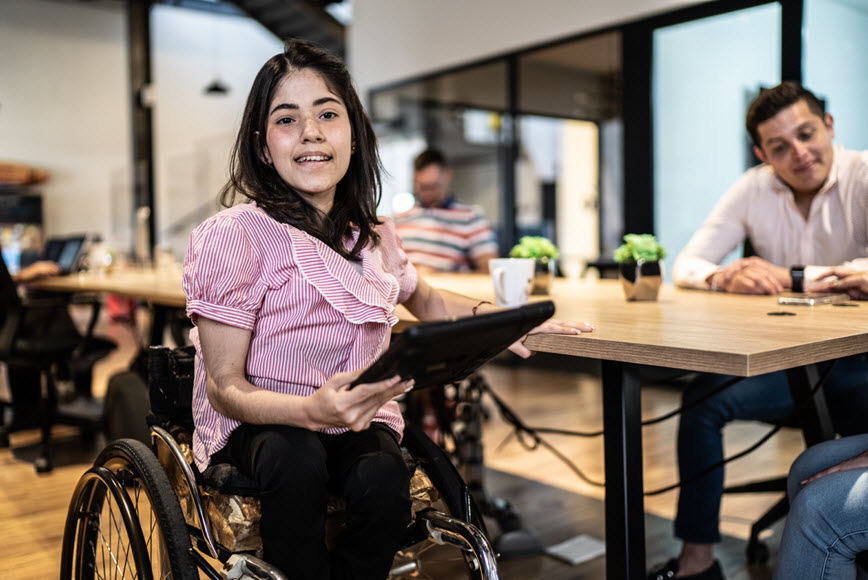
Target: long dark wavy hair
(357,194)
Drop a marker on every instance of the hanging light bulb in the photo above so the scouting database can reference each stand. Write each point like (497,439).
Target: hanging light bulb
(216,88)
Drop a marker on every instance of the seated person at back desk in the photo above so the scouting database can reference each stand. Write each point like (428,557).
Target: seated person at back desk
(438,233)
(827,527)
(806,204)
(35,270)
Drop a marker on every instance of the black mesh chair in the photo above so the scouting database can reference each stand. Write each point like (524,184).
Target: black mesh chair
(39,341)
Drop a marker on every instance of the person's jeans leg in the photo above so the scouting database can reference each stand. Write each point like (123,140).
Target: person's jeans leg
(290,467)
(700,443)
(827,526)
(375,482)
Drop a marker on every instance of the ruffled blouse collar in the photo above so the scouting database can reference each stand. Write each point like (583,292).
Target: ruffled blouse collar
(369,297)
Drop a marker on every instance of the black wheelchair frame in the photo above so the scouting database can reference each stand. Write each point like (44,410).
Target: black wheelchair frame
(126,519)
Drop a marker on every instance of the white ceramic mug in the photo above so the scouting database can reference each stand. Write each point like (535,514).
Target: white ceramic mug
(512,278)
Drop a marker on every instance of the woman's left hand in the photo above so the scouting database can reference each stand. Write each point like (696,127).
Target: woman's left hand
(552,326)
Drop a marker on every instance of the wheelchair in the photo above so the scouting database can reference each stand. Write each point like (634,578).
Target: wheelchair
(146,512)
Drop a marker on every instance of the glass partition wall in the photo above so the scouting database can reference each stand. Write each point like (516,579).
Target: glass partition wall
(638,128)
(462,113)
(525,136)
(700,99)
(835,64)
(567,184)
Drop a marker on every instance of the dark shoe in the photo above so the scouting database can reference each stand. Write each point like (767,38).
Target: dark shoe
(668,571)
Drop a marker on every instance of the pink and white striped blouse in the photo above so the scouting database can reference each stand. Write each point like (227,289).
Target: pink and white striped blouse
(310,311)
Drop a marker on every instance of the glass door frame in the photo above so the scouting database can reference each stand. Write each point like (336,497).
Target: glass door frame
(510,147)
(636,116)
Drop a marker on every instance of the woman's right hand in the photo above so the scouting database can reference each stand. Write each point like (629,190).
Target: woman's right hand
(858,462)
(336,405)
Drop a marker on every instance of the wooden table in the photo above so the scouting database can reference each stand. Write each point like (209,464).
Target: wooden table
(683,329)
(689,330)
(160,289)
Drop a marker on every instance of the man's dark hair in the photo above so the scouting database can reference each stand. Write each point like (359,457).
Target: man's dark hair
(250,175)
(772,101)
(428,157)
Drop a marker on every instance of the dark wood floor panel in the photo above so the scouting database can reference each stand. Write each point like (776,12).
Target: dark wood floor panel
(557,515)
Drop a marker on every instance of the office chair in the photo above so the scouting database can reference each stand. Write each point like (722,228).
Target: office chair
(38,335)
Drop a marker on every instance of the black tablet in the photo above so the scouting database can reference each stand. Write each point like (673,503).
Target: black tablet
(444,352)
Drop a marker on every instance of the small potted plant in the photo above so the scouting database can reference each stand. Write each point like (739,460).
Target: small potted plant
(545,256)
(639,266)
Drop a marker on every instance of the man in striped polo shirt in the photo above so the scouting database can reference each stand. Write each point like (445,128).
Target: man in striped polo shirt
(438,233)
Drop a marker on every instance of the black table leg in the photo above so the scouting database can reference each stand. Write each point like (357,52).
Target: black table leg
(811,409)
(625,506)
(158,324)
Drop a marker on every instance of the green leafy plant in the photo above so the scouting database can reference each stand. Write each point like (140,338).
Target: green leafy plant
(638,247)
(534,247)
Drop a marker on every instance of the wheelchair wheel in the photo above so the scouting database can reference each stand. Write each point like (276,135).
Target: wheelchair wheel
(124,521)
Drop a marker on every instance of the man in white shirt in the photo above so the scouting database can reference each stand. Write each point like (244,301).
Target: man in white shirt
(806,204)
(804,210)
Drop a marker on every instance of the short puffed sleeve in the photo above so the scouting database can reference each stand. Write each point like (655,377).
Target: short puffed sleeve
(222,277)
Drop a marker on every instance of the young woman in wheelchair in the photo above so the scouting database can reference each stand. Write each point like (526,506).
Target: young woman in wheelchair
(292,294)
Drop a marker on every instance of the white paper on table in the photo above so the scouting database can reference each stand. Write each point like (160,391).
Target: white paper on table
(577,550)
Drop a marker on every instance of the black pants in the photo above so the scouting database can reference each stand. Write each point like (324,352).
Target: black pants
(24,388)
(297,468)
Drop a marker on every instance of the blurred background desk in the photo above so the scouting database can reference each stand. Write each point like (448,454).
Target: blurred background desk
(161,289)
(148,285)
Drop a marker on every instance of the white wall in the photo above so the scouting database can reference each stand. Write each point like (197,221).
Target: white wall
(63,105)
(392,40)
(193,132)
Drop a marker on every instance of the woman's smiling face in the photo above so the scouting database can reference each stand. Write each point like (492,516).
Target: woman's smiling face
(308,137)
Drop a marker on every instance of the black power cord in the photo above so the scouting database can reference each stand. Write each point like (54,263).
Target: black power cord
(530,439)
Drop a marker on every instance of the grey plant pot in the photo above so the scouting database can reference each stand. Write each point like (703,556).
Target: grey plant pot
(543,273)
(641,280)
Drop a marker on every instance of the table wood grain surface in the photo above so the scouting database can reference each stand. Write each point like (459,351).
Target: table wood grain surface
(691,329)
